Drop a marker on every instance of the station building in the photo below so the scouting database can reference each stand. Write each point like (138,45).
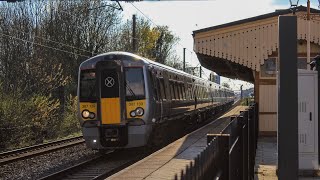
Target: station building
(248,50)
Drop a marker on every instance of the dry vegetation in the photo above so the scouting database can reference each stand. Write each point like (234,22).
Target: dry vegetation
(42,44)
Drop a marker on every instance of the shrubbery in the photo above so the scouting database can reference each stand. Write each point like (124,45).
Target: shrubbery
(70,123)
(28,121)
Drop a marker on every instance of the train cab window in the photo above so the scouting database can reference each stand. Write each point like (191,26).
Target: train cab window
(87,85)
(134,83)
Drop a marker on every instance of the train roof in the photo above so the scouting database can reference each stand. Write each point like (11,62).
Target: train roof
(91,62)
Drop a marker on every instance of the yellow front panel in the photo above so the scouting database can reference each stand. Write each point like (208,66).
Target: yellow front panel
(132,105)
(110,111)
(92,107)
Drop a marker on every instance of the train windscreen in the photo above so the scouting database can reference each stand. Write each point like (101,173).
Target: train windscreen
(134,84)
(88,85)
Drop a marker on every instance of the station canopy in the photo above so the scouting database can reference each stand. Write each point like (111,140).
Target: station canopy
(238,49)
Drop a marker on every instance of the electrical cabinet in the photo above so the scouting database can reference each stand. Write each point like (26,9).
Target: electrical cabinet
(308,119)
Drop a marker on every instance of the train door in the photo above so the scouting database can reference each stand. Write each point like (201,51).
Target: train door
(110,86)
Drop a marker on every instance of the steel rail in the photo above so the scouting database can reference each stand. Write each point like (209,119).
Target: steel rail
(99,167)
(36,150)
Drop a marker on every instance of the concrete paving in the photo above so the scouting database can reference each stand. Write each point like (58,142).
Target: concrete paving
(266,160)
(168,161)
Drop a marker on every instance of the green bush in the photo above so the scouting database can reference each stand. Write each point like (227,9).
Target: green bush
(28,121)
(15,122)
(70,123)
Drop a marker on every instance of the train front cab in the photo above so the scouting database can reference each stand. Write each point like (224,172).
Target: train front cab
(116,95)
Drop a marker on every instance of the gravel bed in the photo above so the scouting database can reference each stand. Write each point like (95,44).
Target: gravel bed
(46,164)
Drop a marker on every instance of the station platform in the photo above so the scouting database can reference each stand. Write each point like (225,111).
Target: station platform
(266,160)
(166,162)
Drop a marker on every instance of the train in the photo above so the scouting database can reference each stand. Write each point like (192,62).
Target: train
(128,101)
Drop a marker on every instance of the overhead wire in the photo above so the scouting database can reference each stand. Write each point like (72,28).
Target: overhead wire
(60,43)
(50,47)
(9,36)
(68,13)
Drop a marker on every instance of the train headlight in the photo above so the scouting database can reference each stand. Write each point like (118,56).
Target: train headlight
(139,111)
(133,114)
(85,113)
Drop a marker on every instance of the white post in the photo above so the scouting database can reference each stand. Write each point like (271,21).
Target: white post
(308,35)
(308,45)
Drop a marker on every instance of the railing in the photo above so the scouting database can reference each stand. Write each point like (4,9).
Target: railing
(229,155)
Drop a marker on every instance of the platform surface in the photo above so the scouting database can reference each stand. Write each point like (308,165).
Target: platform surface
(266,160)
(166,162)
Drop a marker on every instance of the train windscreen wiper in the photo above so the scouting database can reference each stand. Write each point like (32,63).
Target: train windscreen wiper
(130,90)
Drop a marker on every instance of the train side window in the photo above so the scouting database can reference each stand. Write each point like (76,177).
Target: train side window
(176,90)
(180,91)
(172,90)
(196,92)
(158,89)
(184,91)
(162,89)
(202,92)
(187,91)
(190,91)
(205,93)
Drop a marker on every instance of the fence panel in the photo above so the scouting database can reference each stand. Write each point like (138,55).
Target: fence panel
(229,155)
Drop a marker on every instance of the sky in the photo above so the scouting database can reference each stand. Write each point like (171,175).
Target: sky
(183,17)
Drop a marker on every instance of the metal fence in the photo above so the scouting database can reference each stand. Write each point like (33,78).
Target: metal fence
(229,154)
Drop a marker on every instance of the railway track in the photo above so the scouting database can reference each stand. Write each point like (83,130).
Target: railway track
(100,166)
(32,151)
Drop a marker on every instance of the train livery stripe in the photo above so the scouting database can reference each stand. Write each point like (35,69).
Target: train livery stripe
(133,105)
(110,111)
